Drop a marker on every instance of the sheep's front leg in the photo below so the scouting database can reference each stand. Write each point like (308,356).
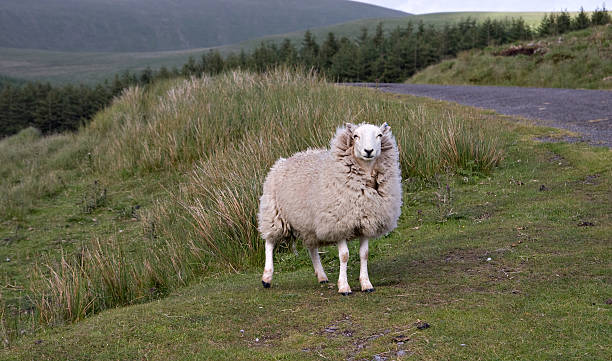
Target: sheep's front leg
(316,263)
(269,266)
(343,254)
(364,279)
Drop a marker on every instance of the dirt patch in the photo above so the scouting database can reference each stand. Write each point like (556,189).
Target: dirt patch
(529,49)
(592,179)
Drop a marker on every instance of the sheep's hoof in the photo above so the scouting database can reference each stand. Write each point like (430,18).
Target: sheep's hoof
(322,282)
(265,284)
(345,293)
(369,290)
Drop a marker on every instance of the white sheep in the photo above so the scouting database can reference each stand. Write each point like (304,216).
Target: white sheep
(352,191)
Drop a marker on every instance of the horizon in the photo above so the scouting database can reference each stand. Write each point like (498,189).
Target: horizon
(436,6)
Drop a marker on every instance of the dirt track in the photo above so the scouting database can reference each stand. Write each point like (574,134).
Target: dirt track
(588,112)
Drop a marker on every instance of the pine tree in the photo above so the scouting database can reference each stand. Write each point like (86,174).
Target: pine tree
(329,48)
(344,67)
(190,67)
(563,22)
(548,25)
(581,21)
(288,53)
(600,17)
(309,52)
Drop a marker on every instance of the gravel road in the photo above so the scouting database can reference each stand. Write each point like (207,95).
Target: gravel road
(588,112)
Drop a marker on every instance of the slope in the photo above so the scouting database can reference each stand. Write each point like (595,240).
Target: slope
(90,67)
(139,25)
(580,59)
(486,266)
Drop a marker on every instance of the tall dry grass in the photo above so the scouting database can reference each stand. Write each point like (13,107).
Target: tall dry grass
(223,134)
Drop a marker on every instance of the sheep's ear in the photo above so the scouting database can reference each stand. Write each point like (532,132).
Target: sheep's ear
(350,127)
(385,128)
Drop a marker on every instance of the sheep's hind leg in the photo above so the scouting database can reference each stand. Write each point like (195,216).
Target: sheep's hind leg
(316,263)
(269,266)
(364,279)
(343,254)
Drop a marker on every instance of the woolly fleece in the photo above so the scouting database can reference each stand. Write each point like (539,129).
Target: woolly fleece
(325,196)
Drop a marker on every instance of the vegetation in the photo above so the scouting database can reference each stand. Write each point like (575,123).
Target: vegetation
(579,59)
(204,146)
(142,25)
(385,57)
(53,109)
(483,265)
(376,57)
(92,67)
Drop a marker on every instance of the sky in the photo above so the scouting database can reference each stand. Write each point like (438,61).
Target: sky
(434,6)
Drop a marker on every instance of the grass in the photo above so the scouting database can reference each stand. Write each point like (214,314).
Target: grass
(542,217)
(120,222)
(515,274)
(582,59)
(93,67)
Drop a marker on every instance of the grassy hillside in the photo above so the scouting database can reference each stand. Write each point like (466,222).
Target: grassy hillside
(91,67)
(581,59)
(157,197)
(181,202)
(145,25)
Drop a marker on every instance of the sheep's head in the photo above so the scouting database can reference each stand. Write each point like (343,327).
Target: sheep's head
(367,140)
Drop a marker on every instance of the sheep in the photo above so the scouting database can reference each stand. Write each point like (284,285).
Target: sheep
(323,197)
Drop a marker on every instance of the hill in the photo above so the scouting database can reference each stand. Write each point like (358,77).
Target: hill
(352,29)
(91,67)
(580,59)
(155,25)
(135,237)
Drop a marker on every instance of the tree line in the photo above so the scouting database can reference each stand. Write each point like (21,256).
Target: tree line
(383,56)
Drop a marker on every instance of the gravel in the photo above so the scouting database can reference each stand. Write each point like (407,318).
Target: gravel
(588,112)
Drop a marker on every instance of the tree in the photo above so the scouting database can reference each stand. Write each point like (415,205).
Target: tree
(600,17)
(344,67)
(581,21)
(190,67)
(548,25)
(288,53)
(563,22)
(329,48)
(310,51)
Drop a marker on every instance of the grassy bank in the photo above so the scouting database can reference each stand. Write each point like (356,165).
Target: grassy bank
(515,266)
(580,59)
(162,187)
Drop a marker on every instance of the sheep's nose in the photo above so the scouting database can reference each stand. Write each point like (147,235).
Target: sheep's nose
(369,151)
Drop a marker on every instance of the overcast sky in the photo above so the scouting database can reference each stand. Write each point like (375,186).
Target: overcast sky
(434,6)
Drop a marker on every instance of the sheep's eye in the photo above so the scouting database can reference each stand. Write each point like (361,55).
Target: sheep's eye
(355,136)
(380,135)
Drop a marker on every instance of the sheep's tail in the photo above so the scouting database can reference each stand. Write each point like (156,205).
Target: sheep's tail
(271,225)
(272,229)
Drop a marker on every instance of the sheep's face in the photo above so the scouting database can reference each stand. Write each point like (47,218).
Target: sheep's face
(367,139)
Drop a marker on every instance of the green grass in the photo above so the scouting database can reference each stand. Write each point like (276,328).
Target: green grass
(192,182)
(541,296)
(583,59)
(92,67)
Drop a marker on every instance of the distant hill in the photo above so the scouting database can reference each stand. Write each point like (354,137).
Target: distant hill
(155,25)
(91,67)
